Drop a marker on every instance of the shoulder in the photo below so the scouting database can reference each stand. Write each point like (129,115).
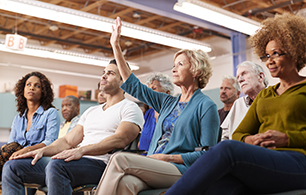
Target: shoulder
(50,112)
(51,109)
(201,98)
(129,105)
(268,91)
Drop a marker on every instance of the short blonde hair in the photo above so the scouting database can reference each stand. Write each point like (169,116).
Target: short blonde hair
(200,65)
(289,31)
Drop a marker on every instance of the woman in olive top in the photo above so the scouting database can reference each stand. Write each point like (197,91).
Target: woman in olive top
(272,158)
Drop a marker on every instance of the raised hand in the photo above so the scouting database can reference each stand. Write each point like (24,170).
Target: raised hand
(116,31)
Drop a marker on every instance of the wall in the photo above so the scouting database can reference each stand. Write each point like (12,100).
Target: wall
(162,62)
(8,112)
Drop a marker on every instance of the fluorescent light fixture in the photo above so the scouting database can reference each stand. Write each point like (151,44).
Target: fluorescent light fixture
(217,15)
(83,19)
(51,70)
(63,55)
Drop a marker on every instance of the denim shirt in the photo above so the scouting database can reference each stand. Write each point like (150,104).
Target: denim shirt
(44,128)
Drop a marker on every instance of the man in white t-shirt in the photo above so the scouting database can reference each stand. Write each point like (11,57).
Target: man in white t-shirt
(101,129)
(252,79)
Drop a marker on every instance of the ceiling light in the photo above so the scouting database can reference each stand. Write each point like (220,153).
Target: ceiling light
(136,15)
(51,70)
(100,23)
(43,52)
(53,27)
(217,15)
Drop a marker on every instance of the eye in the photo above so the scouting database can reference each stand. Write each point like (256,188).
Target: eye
(28,84)
(275,53)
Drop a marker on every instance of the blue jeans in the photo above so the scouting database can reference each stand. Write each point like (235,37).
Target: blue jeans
(233,167)
(17,172)
(59,176)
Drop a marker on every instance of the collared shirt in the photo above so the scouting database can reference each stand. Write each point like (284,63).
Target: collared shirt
(73,123)
(44,128)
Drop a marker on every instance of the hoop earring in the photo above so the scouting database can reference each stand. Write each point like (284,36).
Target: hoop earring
(193,79)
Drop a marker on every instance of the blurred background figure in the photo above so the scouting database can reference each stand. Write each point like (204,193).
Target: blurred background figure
(252,79)
(71,114)
(160,83)
(229,92)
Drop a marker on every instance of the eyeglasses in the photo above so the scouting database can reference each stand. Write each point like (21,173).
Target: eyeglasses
(273,56)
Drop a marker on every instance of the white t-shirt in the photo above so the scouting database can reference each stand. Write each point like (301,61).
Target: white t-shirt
(99,124)
(234,117)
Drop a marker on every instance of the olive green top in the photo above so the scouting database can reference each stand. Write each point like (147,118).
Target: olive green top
(285,113)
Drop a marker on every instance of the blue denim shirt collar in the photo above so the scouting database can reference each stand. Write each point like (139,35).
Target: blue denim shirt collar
(39,110)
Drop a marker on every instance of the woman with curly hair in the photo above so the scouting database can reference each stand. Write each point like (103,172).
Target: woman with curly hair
(37,124)
(184,122)
(269,155)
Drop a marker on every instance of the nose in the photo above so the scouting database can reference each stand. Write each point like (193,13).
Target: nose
(240,78)
(104,75)
(31,87)
(173,69)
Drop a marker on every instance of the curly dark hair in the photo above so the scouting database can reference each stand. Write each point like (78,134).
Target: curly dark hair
(289,31)
(47,94)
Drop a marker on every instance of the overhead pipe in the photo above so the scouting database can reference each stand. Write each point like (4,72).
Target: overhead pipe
(255,11)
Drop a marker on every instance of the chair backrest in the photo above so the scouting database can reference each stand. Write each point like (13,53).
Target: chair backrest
(131,147)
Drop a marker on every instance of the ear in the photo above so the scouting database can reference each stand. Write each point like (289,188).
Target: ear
(238,93)
(196,73)
(168,92)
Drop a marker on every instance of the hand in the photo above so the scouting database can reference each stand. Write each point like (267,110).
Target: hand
(269,139)
(36,155)
(116,31)
(277,139)
(19,152)
(68,155)
(164,157)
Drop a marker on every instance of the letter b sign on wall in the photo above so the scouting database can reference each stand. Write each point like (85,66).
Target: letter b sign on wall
(16,42)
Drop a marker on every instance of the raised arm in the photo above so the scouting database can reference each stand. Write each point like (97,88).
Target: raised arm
(124,70)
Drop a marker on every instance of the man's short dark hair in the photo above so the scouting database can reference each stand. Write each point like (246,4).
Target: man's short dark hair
(113,61)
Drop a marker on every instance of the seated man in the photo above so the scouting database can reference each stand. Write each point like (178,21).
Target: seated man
(229,92)
(70,112)
(101,129)
(252,79)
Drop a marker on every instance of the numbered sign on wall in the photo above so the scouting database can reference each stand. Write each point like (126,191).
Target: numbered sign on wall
(14,41)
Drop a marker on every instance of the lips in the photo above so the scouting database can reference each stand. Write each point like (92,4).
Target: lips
(102,82)
(272,69)
(31,93)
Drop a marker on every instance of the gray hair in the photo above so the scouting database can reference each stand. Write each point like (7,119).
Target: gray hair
(235,81)
(164,81)
(257,70)
(74,99)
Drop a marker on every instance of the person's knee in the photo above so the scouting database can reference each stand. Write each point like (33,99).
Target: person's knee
(120,157)
(226,147)
(131,185)
(12,166)
(53,166)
